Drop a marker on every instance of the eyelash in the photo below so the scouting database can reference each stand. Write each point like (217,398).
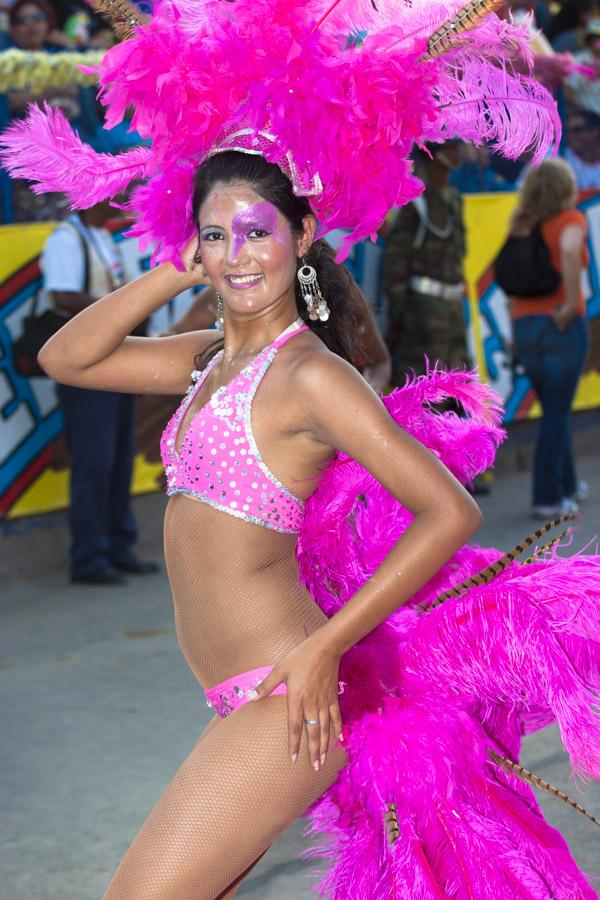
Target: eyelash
(212,236)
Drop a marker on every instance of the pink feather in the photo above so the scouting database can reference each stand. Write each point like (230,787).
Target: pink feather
(202,68)
(43,148)
(467,830)
(482,102)
(427,695)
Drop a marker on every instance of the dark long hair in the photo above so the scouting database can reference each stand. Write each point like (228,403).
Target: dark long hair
(342,333)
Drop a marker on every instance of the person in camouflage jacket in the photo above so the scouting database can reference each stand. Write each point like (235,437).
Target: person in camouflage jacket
(423,272)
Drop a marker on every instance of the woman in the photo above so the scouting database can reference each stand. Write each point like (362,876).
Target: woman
(551,333)
(434,705)
(238,604)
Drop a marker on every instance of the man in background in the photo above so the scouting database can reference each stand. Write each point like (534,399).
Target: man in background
(423,271)
(80,264)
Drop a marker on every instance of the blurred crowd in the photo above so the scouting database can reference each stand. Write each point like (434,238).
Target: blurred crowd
(34,36)
(564,37)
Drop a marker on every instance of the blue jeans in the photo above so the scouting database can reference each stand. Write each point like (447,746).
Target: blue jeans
(553,361)
(100,432)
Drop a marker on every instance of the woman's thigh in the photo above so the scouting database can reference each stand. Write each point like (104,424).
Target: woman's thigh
(232,797)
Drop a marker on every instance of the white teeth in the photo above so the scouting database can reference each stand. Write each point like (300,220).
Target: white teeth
(243,279)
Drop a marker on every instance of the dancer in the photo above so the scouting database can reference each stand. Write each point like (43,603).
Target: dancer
(282,460)
(249,442)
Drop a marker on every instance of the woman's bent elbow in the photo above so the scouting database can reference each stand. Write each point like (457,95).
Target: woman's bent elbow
(470,515)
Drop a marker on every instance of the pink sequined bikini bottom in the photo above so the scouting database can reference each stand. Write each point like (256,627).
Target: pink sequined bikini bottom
(229,695)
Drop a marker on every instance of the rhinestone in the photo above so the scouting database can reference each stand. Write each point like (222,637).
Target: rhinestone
(233,504)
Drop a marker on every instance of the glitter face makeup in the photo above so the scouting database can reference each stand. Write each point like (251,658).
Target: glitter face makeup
(260,217)
(247,248)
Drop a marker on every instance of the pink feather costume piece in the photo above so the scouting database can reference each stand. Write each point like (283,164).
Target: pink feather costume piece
(428,695)
(345,102)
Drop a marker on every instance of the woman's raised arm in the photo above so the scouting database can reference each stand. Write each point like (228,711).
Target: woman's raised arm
(93,350)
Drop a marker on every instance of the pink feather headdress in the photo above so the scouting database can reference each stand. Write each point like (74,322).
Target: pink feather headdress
(335,93)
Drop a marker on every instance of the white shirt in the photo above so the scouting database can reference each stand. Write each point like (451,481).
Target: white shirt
(63,260)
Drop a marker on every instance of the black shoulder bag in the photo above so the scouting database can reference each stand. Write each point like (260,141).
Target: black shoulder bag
(523,268)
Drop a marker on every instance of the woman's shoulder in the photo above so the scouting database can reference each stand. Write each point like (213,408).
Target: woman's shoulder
(560,220)
(318,372)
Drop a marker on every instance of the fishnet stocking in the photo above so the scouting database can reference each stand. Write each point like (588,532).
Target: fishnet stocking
(238,605)
(233,796)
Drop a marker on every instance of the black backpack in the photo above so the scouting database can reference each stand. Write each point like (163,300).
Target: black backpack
(523,268)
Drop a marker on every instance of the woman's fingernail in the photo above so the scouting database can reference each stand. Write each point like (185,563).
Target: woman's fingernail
(341,737)
(252,695)
(323,759)
(316,765)
(294,757)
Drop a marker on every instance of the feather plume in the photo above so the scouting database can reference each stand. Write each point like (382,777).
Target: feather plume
(391,823)
(467,830)
(468,17)
(43,148)
(541,551)
(122,15)
(500,564)
(482,102)
(535,780)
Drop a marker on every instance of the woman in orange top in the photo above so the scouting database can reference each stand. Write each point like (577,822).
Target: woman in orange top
(551,333)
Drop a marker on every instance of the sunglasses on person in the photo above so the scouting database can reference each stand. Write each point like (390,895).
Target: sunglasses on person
(30,18)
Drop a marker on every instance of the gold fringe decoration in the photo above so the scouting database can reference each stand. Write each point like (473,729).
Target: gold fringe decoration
(36,70)
(443,40)
(531,778)
(495,568)
(121,15)
(390,819)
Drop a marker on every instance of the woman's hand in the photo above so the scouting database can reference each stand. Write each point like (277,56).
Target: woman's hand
(563,315)
(190,257)
(310,672)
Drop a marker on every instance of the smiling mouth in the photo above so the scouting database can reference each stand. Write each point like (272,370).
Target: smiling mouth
(243,279)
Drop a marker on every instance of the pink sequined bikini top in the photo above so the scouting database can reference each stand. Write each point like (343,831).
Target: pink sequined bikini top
(218,461)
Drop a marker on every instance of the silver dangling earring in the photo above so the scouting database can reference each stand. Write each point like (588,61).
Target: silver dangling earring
(220,321)
(311,293)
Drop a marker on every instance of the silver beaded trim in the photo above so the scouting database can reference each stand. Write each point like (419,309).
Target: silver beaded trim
(250,434)
(238,513)
(198,379)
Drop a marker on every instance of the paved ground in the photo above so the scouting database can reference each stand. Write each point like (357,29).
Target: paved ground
(99,709)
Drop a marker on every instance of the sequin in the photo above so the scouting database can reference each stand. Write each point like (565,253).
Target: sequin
(285,509)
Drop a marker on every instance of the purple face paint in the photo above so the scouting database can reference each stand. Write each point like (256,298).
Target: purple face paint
(260,217)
